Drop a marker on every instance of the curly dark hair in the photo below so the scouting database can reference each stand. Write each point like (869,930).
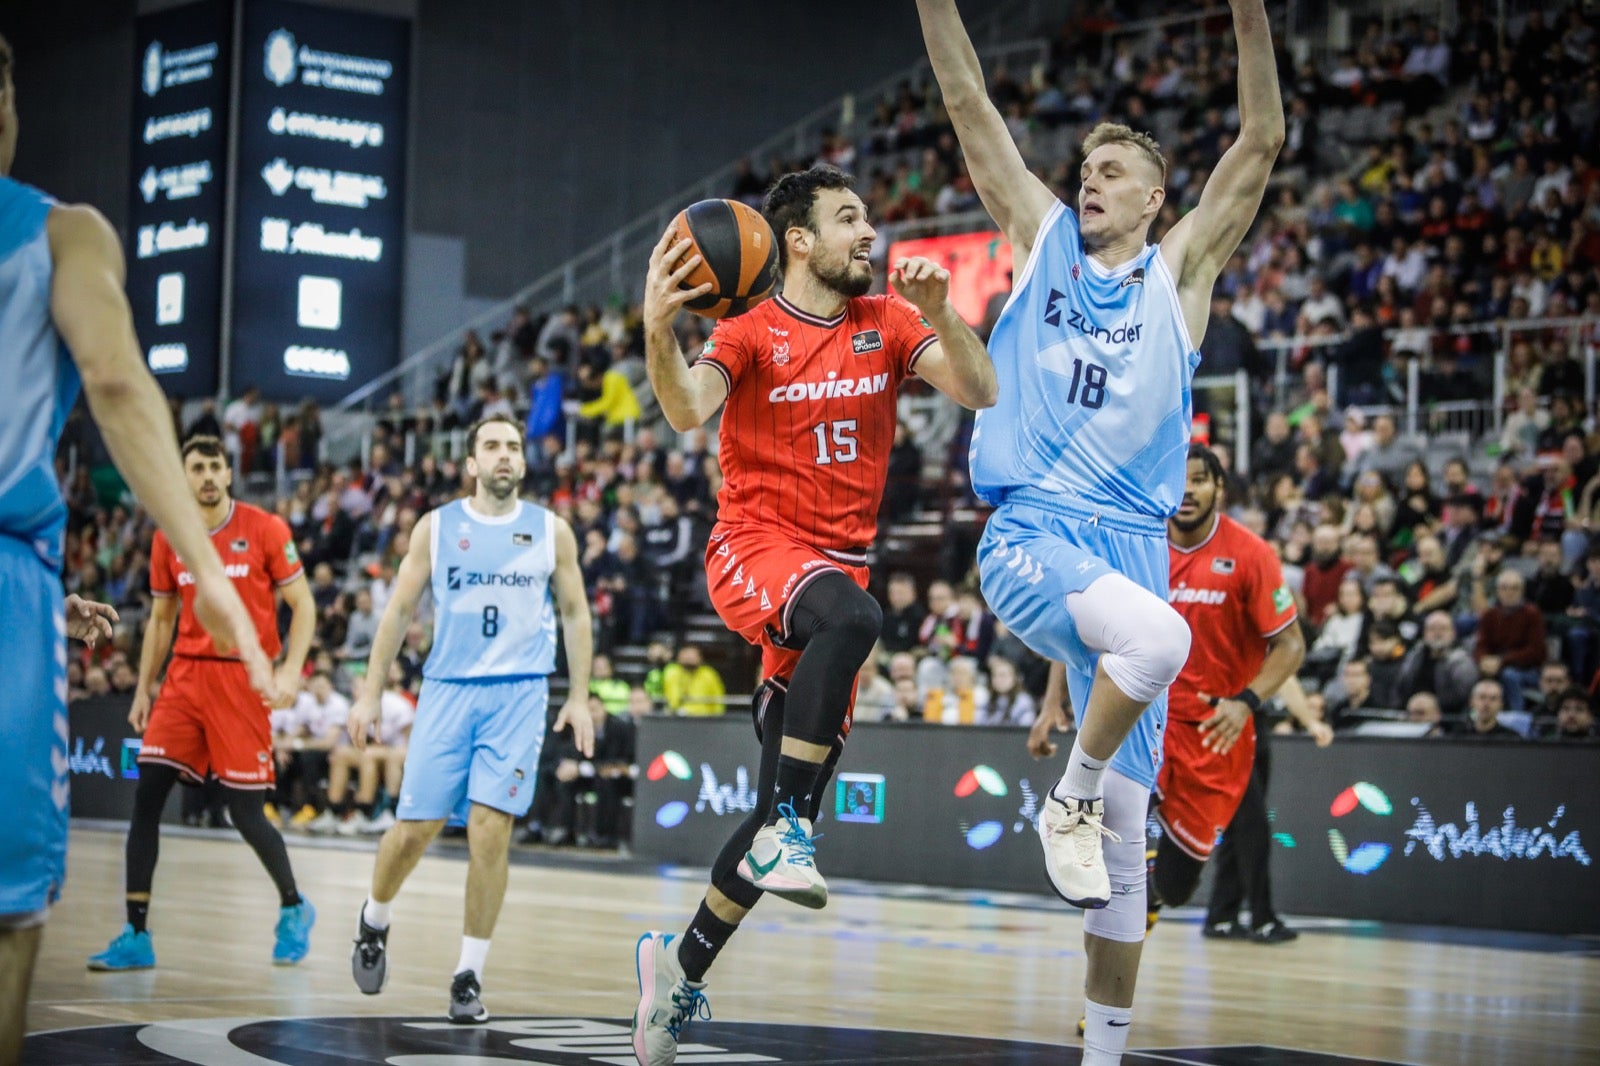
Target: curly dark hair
(791,201)
(1212,464)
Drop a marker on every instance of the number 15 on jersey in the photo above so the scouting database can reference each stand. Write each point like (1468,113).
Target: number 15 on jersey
(842,448)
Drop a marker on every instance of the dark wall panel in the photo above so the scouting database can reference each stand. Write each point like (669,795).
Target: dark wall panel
(540,126)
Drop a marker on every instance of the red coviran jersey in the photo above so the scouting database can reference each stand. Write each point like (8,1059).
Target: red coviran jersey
(1230,590)
(810,416)
(258,553)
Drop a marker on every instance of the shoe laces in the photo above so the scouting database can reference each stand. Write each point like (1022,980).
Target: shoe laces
(688,1004)
(1087,845)
(371,949)
(464,989)
(796,841)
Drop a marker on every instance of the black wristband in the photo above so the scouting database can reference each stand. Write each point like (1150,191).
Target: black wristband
(1250,700)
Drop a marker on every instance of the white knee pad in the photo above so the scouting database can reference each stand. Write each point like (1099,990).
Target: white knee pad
(1143,642)
(1123,919)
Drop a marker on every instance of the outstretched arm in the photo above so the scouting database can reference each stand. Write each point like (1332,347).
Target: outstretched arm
(1198,247)
(91,313)
(1016,199)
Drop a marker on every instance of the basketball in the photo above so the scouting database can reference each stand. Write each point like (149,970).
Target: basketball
(738,254)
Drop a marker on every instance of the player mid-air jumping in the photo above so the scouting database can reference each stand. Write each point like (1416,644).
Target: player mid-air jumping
(1083,457)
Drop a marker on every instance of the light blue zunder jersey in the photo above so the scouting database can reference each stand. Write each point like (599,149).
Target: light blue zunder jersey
(1094,367)
(493,615)
(37,377)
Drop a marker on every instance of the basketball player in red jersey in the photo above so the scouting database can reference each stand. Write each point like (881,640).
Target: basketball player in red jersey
(807,381)
(208,721)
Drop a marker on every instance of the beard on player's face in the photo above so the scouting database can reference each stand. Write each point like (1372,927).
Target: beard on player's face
(843,273)
(1195,512)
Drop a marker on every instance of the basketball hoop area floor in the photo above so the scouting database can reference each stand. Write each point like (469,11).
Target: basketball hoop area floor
(883,975)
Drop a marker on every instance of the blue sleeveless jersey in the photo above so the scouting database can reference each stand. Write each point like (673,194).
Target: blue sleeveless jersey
(1094,368)
(37,376)
(493,615)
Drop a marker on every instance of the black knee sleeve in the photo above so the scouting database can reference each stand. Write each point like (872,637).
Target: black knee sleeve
(835,623)
(1176,874)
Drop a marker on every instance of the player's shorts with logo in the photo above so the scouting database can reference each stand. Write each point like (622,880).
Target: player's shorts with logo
(33,727)
(1200,789)
(755,576)
(209,721)
(474,742)
(1035,552)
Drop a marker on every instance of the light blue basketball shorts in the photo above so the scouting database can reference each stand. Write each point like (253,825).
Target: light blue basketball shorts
(1033,555)
(34,785)
(474,742)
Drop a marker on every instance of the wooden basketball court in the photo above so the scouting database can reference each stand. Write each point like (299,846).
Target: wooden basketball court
(880,959)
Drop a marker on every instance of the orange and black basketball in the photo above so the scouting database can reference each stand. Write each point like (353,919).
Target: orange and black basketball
(737,256)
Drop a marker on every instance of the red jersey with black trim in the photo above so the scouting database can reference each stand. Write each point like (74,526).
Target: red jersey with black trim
(1230,590)
(810,417)
(258,553)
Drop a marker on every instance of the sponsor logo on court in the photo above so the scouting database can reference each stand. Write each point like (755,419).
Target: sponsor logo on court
(980,781)
(1505,839)
(90,759)
(372,1040)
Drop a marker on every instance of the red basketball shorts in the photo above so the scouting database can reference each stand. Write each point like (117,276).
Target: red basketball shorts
(755,576)
(209,720)
(1199,789)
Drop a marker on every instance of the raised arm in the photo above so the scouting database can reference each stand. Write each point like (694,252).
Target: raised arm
(689,394)
(957,364)
(91,313)
(1016,199)
(1197,248)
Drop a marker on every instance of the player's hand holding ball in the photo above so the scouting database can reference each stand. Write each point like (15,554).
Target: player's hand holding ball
(575,713)
(671,261)
(922,282)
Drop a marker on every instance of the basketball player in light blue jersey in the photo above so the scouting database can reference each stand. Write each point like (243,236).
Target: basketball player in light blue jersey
(64,318)
(492,562)
(1085,453)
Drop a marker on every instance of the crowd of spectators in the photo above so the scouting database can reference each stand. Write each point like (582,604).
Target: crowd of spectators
(1430,182)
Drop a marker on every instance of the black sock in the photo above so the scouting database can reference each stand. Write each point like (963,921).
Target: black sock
(796,779)
(367,809)
(698,946)
(138,914)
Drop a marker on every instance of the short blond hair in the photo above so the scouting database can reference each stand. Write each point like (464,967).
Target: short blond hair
(1116,133)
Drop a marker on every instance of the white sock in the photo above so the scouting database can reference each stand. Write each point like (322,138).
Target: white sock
(473,954)
(376,914)
(1083,776)
(1105,1033)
